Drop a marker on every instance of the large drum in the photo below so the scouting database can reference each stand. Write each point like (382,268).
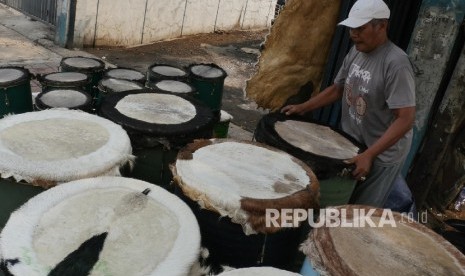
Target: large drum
(175,87)
(385,244)
(258,271)
(158,72)
(208,80)
(125,74)
(219,178)
(15,91)
(64,98)
(60,80)
(158,125)
(49,147)
(109,85)
(101,226)
(321,147)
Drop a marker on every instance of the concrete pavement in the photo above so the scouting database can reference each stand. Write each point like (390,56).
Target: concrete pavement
(28,43)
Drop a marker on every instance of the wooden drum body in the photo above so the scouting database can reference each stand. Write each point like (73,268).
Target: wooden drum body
(15,91)
(387,244)
(321,147)
(216,176)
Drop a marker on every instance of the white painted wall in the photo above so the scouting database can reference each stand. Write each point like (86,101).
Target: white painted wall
(135,22)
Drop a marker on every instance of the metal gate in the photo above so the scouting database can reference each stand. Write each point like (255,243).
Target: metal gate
(44,10)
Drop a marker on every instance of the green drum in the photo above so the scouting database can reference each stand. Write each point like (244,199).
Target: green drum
(64,98)
(158,124)
(321,147)
(13,195)
(93,67)
(15,91)
(208,80)
(175,87)
(221,129)
(158,72)
(125,74)
(110,85)
(65,80)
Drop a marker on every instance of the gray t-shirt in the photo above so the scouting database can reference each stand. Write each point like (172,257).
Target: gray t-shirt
(374,84)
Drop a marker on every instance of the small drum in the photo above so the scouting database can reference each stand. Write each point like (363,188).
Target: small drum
(15,91)
(101,226)
(175,87)
(158,125)
(159,72)
(109,85)
(67,98)
(125,74)
(390,246)
(60,80)
(258,271)
(49,147)
(222,127)
(91,66)
(208,80)
(321,147)
(216,176)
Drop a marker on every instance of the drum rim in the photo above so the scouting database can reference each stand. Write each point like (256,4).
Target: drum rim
(195,76)
(309,247)
(203,114)
(102,88)
(156,75)
(268,121)
(86,106)
(139,80)
(280,272)
(23,79)
(188,223)
(53,83)
(97,69)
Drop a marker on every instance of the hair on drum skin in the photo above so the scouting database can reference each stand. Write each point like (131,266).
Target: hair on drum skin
(187,152)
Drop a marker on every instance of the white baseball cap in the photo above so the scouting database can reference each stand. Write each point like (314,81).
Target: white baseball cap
(363,11)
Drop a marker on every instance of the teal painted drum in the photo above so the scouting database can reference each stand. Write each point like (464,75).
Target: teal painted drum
(321,147)
(208,80)
(15,91)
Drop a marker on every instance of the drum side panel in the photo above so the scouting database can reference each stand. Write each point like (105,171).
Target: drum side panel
(16,99)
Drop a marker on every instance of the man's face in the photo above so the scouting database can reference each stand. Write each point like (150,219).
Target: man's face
(367,37)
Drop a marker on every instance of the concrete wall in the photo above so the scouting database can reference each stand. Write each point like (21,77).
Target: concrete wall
(135,22)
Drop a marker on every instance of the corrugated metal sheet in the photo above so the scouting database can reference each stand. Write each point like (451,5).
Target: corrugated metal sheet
(44,10)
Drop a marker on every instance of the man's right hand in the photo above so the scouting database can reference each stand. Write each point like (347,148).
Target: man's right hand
(298,109)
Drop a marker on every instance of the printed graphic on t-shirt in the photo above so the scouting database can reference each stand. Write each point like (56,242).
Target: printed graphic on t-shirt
(356,89)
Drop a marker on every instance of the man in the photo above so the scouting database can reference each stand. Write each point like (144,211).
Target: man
(377,88)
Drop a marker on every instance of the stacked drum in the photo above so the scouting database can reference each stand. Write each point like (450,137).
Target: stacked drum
(15,91)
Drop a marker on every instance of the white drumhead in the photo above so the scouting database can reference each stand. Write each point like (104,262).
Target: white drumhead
(126,74)
(168,71)
(59,145)
(117,85)
(258,271)
(10,74)
(66,77)
(317,139)
(174,86)
(226,171)
(82,62)
(157,108)
(153,234)
(64,98)
(225,116)
(207,71)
